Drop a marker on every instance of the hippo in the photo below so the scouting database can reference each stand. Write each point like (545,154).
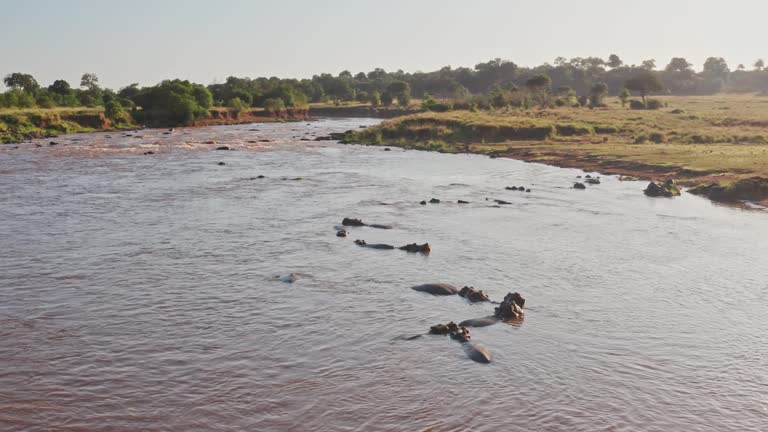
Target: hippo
(342,233)
(359,223)
(290,278)
(221,163)
(352,222)
(501,202)
(456,332)
(510,308)
(434,201)
(594,181)
(473,295)
(527,191)
(461,334)
(373,246)
(149,153)
(463,202)
(423,203)
(387,149)
(480,322)
(438,289)
(413,247)
(578,185)
(224,148)
(513,188)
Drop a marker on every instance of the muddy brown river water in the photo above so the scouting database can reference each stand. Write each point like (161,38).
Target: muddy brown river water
(138,292)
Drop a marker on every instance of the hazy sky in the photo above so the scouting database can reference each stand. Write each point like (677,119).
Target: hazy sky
(205,41)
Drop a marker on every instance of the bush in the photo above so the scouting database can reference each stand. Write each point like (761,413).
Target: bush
(636,104)
(606,129)
(238,106)
(274,106)
(654,104)
(641,139)
(657,137)
(573,129)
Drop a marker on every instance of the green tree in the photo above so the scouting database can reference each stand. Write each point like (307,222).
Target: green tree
(387,99)
(539,85)
(759,65)
(624,97)
(645,82)
(274,106)
(597,93)
(21,81)
(89,81)
(238,106)
(375,99)
(60,87)
(114,111)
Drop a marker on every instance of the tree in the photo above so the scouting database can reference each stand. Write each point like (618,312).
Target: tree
(716,67)
(597,93)
(89,81)
(614,61)
(345,74)
(375,99)
(539,85)
(400,90)
(649,64)
(386,99)
(645,82)
(759,65)
(679,64)
(60,87)
(624,96)
(741,67)
(21,81)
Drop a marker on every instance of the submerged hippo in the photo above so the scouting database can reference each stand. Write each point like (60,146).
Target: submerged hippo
(373,246)
(289,278)
(473,295)
(461,334)
(480,322)
(342,233)
(360,223)
(578,185)
(439,289)
(413,247)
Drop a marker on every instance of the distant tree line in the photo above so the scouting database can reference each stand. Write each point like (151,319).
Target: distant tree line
(493,84)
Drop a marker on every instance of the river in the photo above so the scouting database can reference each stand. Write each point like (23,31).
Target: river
(138,292)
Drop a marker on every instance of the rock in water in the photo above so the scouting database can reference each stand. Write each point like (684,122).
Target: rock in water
(666,189)
(511,307)
(439,289)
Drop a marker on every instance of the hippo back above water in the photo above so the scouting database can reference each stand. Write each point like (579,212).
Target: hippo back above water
(440,289)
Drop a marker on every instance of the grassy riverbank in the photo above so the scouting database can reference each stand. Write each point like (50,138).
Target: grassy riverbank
(696,140)
(22,124)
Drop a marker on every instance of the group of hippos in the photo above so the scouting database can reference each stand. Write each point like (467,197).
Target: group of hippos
(510,309)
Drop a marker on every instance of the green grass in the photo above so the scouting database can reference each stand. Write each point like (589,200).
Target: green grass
(696,139)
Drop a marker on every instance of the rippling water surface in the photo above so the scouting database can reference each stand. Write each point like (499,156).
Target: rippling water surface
(138,292)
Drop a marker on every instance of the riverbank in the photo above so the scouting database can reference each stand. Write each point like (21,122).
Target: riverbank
(718,146)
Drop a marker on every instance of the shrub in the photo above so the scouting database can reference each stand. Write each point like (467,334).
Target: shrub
(274,106)
(636,104)
(641,139)
(657,137)
(606,129)
(238,106)
(654,104)
(573,129)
